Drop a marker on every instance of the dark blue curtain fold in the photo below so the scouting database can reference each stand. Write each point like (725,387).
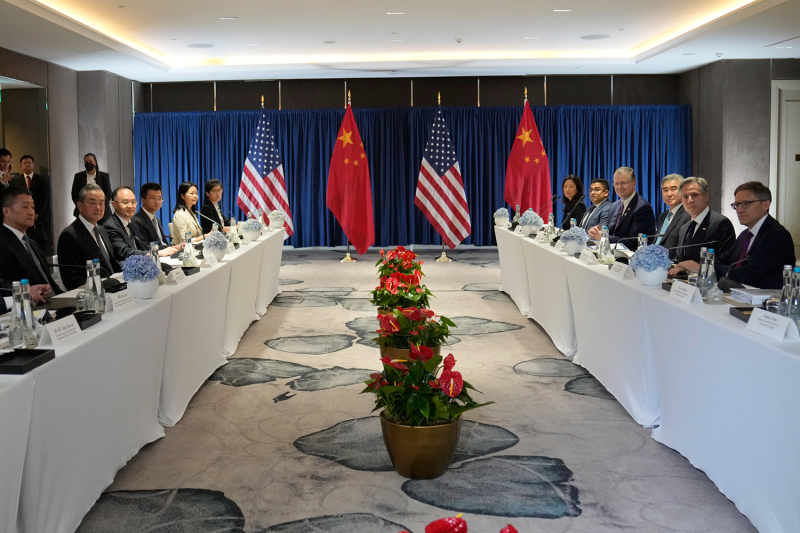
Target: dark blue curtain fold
(589,141)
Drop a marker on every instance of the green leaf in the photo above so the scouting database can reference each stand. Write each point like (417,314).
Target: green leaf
(425,408)
(441,409)
(432,363)
(415,401)
(457,410)
(447,322)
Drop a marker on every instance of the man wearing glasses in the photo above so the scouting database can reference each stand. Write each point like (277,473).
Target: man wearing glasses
(146,222)
(630,215)
(762,249)
(125,239)
(670,222)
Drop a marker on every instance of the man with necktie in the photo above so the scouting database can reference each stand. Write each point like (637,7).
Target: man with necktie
(630,215)
(706,227)
(5,168)
(40,191)
(597,215)
(147,224)
(125,240)
(85,240)
(762,249)
(20,256)
(670,222)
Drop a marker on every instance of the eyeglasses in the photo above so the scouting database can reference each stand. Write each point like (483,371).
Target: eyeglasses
(126,203)
(745,204)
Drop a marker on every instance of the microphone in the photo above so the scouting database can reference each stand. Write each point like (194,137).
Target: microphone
(108,282)
(566,217)
(703,244)
(550,201)
(209,219)
(647,236)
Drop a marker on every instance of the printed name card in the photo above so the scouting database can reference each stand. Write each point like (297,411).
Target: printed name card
(119,301)
(245,240)
(60,331)
(588,257)
(176,276)
(560,246)
(542,237)
(231,248)
(621,271)
(685,293)
(209,260)
(518,230)
(772,325)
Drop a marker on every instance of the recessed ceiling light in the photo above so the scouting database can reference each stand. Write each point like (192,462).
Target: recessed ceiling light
(200,45)
(688,53)
(396,40)
(254,44)
(783,47)
(396,13)
(328,42)
(530,38)
(595,37)
(562,10)
(228,18)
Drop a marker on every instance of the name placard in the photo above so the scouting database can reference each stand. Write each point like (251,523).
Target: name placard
(518,230)
(542,237)
(772,325)
(621,271)
(231,248)
(176,276)
(209,260)
(245,240)
(560,246)
(60,331)
(685,293)
(588,257)
(119,301)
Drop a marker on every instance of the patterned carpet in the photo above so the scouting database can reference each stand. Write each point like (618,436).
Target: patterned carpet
(279,440)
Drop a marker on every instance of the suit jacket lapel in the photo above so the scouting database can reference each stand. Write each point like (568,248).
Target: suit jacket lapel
(21,251)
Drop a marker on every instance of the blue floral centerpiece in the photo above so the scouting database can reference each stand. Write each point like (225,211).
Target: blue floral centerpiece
(252,228)
(651,264)
(141,274)
(216,243)
(530,222)
(501,217)
(574,240)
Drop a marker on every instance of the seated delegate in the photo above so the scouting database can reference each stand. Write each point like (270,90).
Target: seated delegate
(184,219)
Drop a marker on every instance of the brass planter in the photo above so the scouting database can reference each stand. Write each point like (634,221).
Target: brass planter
(403,353)
(421,452)
(385,311)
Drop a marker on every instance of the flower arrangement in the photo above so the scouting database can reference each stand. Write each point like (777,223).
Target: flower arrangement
(650,258)
(412,326)
(252,224)
(530,218)
(502,212)
(576,234)
(398,260)
(456,524)
(414,392)
(139,268)
(276,215)
(215,240)
(401,290)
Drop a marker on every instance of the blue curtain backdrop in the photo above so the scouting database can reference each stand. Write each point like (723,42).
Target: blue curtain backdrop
(589,141)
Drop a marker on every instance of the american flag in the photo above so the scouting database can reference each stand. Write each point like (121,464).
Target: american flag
(440,190)
(263,187)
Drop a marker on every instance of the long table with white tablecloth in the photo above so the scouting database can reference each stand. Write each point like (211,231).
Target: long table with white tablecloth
(69,425)
(725,397)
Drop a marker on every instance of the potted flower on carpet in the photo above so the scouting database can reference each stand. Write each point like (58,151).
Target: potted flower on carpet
(651,264)
(456,524)
(216,244)
(400,290)
(405,327)
(530,222)
(421,399)
(141,274)
(252,228)
(398,260)
(501,218)
(276,219)
(574,240)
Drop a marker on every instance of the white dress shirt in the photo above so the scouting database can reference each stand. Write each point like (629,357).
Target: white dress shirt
(90,227)
(754,230)
(699,219)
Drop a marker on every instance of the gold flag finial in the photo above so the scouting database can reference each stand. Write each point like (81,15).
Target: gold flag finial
(439,96)
(262,100)
(526,93)
(348,97)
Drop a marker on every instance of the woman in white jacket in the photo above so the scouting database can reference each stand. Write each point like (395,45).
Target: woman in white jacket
(184,217)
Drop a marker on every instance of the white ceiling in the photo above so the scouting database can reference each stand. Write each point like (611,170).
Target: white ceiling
(10,83)
(147,40)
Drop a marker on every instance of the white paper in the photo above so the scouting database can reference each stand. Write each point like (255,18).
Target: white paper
(176,276)
(685,293)
(518,230)
(245,240)
(209,260)
(772,325)
(588,257)
(231,248)
(542,237)
(560,246)
(60,331)
(619,246)
(119,301)
(621,271)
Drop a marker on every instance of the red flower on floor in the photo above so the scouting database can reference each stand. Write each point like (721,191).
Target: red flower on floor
(390,284)
(509,529)
(452,524)
(423,353)
(412,313)
(389,323)
(451,383)
(394,364)
(378,381)
(428,313)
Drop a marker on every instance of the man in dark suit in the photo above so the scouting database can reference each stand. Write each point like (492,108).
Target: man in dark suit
(762,249)
(670,222)
(630,215)
(597,215)
(85,240)
(125,239)
(92,174)
(706,227)
(146,222)
(5,168)
(20,256)
(40,191)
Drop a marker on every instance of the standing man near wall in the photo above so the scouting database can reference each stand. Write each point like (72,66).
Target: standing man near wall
(92,175)
(5,168)
(39,186)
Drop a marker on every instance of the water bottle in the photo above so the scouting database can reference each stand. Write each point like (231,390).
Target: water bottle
(642,240)
(101,291)
(573,222)
(515,220)
(189,259)
(154,254)
(551,226)
(89,291)
(604,254)
(709,277)
(31,340)
(786,293)
(233,234)
(794,303)
(16,326)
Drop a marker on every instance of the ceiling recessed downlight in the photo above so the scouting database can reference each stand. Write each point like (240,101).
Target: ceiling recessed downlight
(328,42)
(254,44)
(395,40)
(562,10)
(200,45)
(688,53)
(530,38)
(228,18)
(783,47)
(595,37)
(396,13)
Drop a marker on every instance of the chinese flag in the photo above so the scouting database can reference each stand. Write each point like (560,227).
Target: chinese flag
(528,170)
(349,190)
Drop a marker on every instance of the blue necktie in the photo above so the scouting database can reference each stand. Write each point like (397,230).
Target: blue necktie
(664,227)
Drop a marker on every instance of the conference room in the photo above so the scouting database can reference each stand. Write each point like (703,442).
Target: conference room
(521,267)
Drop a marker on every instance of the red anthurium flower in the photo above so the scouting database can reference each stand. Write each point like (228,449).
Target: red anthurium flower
(414,387)
(423,353)
(451,383)
(412,313)
(399,366)
(428,313)
(389,323)
(449,363)
(433,384)
(419,289)
(381,252)
(400,249)
(391,285)
(452,524)
(509,529)
(406,264)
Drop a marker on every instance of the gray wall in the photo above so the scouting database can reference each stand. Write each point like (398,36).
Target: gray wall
(25,126)
(65,158)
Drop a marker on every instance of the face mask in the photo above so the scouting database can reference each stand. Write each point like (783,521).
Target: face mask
(89,166)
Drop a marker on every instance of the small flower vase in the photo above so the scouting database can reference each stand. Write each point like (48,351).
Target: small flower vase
(253,235)
(653,278)
(275,224)
(574,247)
(501,221)
(143,290)
(219,254)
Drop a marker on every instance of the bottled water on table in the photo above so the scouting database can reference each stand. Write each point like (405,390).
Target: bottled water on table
(101,292)
(785,299)
(794,302)
(26,316)
(89,291)
(604,254)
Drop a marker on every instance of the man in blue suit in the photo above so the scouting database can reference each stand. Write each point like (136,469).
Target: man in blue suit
(630,215)
(597,215)
(762,249)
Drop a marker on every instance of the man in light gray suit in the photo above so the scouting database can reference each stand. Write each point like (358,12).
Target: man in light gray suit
(597,215)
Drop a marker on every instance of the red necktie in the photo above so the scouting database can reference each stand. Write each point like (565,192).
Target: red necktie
(28,180)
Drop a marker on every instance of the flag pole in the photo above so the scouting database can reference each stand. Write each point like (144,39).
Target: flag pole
(442,258)
(347,257)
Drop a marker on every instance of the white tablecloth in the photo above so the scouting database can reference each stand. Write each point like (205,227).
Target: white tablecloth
(512,268)
(242,291)
(16,401)
(730,403)
(94,407)
(550,302)
(269,279)
(195,338)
